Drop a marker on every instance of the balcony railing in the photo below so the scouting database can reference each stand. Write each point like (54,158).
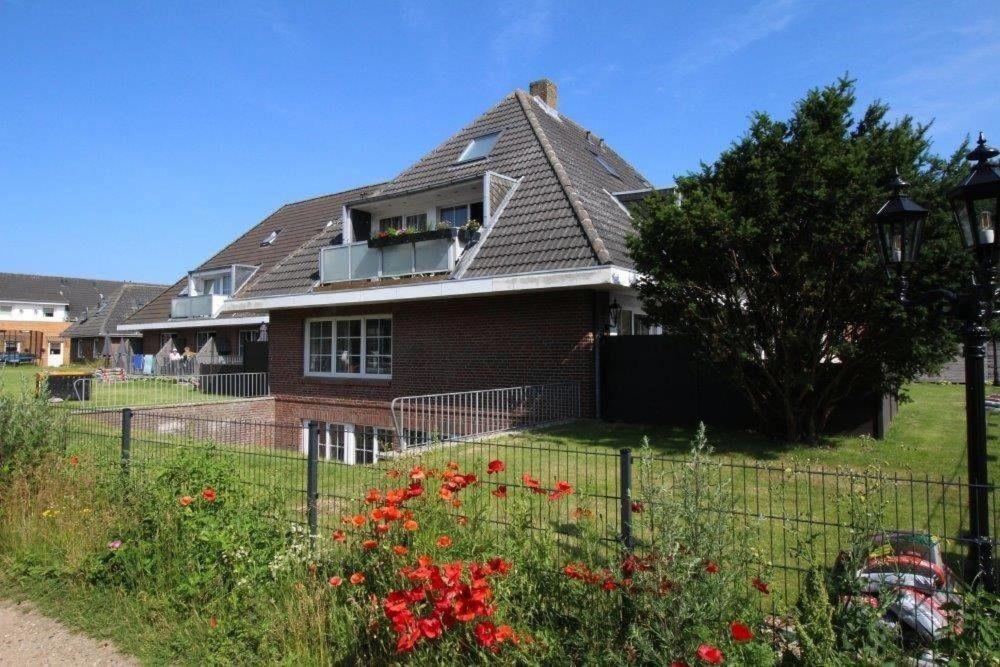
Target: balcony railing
(357,261)
(203,305)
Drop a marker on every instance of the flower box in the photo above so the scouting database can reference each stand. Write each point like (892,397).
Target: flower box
(405,237)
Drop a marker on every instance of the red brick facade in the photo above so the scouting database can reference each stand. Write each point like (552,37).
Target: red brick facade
(443,346)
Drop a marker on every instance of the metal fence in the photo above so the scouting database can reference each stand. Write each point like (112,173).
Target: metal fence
(782,504)
(111,390)
(433,418)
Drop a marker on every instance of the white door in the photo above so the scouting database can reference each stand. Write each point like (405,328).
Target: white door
(55,353)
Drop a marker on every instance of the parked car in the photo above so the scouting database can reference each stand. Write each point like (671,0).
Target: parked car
(17,358)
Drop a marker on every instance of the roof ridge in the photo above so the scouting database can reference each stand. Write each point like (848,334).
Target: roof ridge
(589,229)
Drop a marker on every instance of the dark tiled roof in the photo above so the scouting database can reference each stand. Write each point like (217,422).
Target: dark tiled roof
(299,222)
(78,293)
(105,319)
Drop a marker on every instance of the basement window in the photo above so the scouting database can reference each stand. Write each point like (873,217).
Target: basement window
(479,147)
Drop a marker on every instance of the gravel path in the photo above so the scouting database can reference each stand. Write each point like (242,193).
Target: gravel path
(28,638)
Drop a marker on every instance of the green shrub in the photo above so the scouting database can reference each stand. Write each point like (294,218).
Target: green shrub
(29,429)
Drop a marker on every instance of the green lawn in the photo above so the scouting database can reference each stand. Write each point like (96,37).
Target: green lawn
(913,476)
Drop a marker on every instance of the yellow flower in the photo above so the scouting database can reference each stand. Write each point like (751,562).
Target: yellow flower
(86,510)
(49,513)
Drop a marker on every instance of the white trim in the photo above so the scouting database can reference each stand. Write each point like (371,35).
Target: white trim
(595,276)
(200,323)
(362,375)
(618,202)
(36,303)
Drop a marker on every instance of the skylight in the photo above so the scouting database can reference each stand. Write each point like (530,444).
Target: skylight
(270,238)
(607,166)
(479,147)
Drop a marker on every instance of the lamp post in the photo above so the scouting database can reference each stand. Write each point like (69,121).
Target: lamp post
(899,226)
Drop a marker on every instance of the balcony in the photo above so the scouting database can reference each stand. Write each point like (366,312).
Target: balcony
(404,257)
(203,305)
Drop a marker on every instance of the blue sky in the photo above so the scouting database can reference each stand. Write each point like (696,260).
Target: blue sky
(136,139)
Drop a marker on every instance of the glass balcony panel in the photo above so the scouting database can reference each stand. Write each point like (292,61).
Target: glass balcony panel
(434,255)
(397,260)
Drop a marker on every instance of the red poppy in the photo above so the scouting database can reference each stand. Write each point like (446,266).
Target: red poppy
(208,494)
(74,460)
(740,632)
(710,654)
(357,578)
(444,542)
(637,507)
(359,520)
(382,528)
(369,544)
(581,512)
(445,493)
(500,491)
(711,567)
(339,536)
(486,633)
(417,473)
(411,525)
(186,500)
(462,520)
(495,466)
(393,474)
(430,627)
(456,503)
(530,481)
(400,550)
(414,490)
(336,581)
(373,496)
(213,623)
(499,565)
(761,586)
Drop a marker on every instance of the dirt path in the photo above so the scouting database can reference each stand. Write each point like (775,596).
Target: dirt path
(28,638)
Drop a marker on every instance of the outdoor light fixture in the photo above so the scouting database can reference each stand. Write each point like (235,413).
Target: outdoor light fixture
(975,205)
(899,225)
(614,314)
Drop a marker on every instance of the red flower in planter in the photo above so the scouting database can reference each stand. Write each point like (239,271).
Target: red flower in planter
(500,491)
(710,654)
(761,586)
(209,494)
(740,632)
(495,466)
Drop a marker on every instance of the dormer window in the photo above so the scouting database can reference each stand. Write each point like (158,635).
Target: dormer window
(479,147)
(219,285)
(270,238)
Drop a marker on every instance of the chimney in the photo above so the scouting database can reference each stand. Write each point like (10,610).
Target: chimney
(545,90)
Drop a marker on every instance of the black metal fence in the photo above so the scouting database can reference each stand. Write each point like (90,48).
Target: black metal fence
(784,504)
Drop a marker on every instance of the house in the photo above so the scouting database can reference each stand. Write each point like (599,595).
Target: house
(36,310)
(493,261)
(97,328)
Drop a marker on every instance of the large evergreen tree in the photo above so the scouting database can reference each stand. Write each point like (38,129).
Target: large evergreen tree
(764,262)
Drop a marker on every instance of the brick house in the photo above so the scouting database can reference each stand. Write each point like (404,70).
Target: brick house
(491,262)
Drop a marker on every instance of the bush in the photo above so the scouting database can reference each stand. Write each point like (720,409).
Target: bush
(29,429)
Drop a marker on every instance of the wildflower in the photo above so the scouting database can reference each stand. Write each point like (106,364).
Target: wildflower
(359,520)
(445,493)
(213,623)
(456,503)
(299,586)
(369,544)
(114,545)
(86,510)
(710,654)
(393,474)
(357,578)
(382,528)
(462,520)
(417,473)
(711,567)
(486,633)
(495,466)
(761,586)
(49,513)
(411,525)
(444,542)
(335,582)
(373,496)
(637,507)
(414,490)
(499,565)
(531,482)
(400,550)
(430,627)
(74,460)
(740,632)
(186,500)
(452,465)
(582,512)
(339,536)
(500,491)
(209,494)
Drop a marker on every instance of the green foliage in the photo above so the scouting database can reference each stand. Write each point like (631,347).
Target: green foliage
(29,429)
(977,640)
(765,263)
(814,622)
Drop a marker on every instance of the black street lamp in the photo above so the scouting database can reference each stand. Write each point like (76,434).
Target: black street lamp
(900,223)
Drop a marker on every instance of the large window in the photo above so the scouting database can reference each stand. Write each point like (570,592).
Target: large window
(201,338)
(347,443)
(219,285)
(456,216)
(349,346)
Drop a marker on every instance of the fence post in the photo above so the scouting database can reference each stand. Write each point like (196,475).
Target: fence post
(312,479)
(628,542)
(126,440)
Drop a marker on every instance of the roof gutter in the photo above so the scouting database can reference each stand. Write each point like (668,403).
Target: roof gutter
(201,323)
(594,277)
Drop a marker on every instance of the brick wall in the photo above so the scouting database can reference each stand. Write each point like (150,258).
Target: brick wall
(442,346)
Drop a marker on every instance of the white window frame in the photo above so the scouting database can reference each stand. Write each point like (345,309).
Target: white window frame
(464,157)
(333,342)
(351,434)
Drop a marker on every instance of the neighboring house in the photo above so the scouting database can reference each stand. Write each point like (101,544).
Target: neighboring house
(97,328)
(36,310)
(359,313)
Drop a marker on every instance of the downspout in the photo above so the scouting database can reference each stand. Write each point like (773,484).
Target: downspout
(598,336)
